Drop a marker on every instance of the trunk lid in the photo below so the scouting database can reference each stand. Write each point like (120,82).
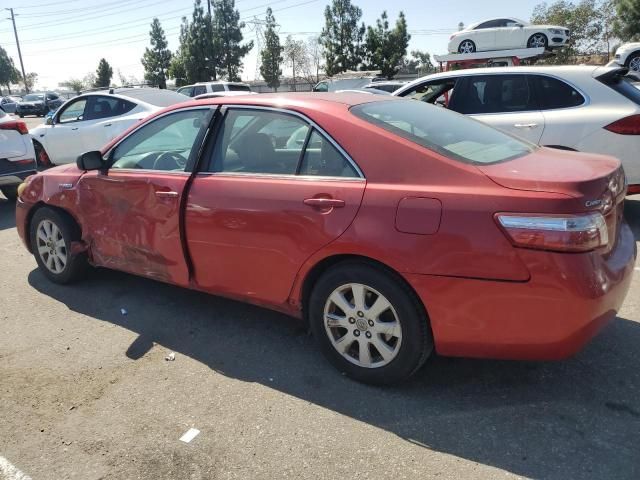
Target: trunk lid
(577,175)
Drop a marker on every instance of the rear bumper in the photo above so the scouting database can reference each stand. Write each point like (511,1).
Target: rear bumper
(568,299)
(14,172)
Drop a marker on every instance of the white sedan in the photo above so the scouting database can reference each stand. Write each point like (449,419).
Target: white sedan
(507,34)
(90,121)
(628,55)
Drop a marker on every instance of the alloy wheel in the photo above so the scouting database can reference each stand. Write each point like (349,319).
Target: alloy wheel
(362,325)
(466,47)
(51,246)
(634,64)
(537,41)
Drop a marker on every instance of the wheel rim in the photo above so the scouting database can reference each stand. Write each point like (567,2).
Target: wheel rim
(362,325)
(538,41)
(634,64)
(51,246)
(466,47)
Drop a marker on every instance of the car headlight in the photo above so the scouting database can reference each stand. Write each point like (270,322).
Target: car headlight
(557,31)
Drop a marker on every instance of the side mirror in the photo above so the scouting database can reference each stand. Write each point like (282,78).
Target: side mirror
(90,161)
(48,120)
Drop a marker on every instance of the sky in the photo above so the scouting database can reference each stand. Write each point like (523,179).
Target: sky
(66,39)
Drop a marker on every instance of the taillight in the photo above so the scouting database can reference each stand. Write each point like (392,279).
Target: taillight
(561,233)
(16,125)
(625,126)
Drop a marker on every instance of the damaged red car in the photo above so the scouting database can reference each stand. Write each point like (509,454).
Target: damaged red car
(396,229)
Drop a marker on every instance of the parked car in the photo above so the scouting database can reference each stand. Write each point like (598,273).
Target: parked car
(388,86)
(506,34)
(213,87)
(583,108)
(88,121)
(17,158)
(628,55)
(396,228)
(9,103)
(38,104)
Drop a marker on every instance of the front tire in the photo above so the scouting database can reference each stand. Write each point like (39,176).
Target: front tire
(538,40)
(11,192)
(52,233)
(369,324)
(467,46)
(633,62)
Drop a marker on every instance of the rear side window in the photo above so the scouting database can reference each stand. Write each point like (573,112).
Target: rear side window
(452,135)
(553,93)
(321,158)
(626,87)
(217,87)
(239,88)
(493,94)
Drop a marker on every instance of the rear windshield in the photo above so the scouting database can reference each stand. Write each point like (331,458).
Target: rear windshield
(238,88)
(446,132)
(628,87)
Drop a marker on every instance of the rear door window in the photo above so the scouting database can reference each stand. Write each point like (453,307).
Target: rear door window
(216,87)
(106,107)
(239,88)
(494,94)
(199,90)
(553,93)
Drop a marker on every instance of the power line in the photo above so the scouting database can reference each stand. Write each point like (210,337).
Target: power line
(55,13)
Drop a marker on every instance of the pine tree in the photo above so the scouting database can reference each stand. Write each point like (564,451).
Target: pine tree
(199,51)
(342,37)
(227,34)
(103,74)
(157,59)
(384,48)
(177,69)
(8,72)
(628,19)
(271,54)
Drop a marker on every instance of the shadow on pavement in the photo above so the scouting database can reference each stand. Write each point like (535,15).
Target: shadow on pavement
(7,213)
(574,419)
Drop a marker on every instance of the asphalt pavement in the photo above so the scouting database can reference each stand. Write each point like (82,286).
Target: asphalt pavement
(86,393)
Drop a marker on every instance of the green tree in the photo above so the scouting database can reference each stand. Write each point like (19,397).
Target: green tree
(198,56)
(627,23)
(342,37)
(384,49)
(31,80)
(8,72)
(74,84)
(103,74)
(227,35)
(177,69)
(295,54)
(271,55)
(157,59)
(584,19)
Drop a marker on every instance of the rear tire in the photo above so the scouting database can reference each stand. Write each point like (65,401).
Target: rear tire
(11,192)
(51,234)
(380,335)
(633,62)
(467,46)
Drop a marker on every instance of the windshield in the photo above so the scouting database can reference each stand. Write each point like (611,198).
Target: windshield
(33,97)
(448,133)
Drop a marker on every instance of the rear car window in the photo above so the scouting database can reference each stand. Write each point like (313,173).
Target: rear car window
(553,93)
(626,87)
(238,88)
(450,134)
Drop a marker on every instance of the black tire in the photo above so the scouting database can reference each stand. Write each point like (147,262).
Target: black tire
(11,192)
(76,265)
(471,47)
(417,340)
(21,115)
(633,62)
(531,43)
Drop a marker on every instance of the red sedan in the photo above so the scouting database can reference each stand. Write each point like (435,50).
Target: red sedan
(393,227)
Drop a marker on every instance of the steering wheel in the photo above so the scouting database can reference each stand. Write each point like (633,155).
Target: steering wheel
(170,161)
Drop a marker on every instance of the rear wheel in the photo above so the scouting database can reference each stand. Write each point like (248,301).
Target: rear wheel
(369,324)
(51,234)
(467,46)
(538,40)
(633,62)
(11,192)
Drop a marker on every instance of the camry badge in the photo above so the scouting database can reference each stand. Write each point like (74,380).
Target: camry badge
(66,186)
(592,203)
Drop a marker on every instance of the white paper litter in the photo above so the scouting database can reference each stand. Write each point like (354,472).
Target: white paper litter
(123,311)
(171,357)
(190,435)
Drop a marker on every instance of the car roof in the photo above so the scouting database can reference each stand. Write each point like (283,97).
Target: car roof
(551,69)
(474,25)
(151,96)
(311,100)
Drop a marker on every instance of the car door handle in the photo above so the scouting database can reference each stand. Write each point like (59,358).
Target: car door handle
(324,202)
(166,194)
(108,125)
(525,125)
(74,128)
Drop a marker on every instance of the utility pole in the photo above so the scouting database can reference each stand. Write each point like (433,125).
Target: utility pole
(13,20)
(209,7)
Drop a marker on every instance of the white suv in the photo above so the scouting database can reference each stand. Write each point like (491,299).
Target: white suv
(628,55)
(17,157)
(212,87)
(582,108)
